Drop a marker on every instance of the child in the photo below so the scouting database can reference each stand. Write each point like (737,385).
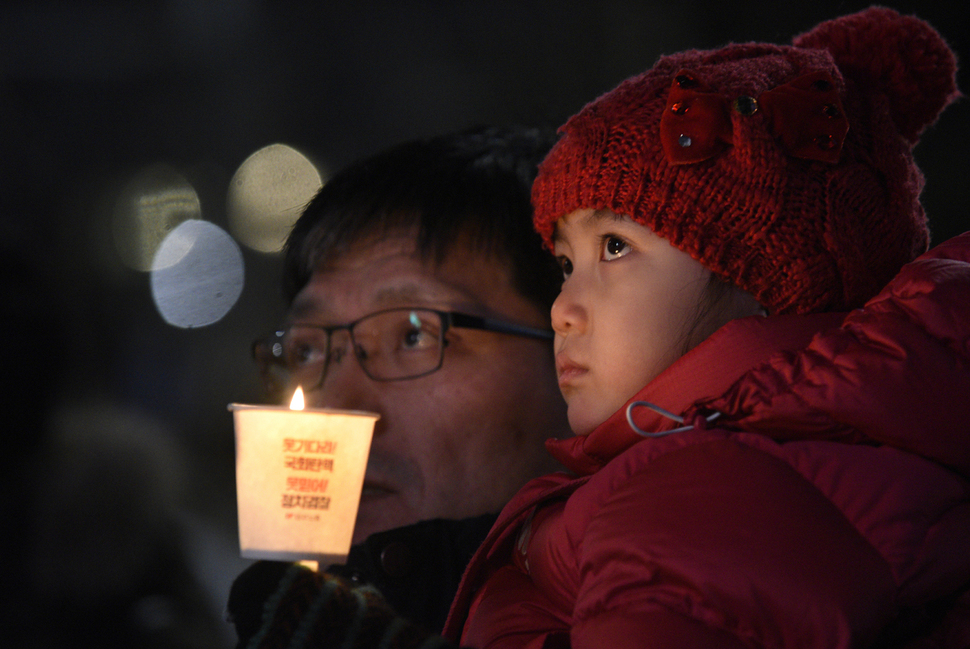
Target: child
(796,470)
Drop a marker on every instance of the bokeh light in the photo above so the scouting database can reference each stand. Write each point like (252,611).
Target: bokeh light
(156,200)
(197,274)
(267,194)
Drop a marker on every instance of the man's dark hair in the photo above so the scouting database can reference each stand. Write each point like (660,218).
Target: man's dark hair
(471,187)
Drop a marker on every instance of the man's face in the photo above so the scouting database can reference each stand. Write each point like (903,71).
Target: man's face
(458,442)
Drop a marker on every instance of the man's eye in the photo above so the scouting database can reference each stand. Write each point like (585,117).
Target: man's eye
(418,339)
(304,348)
(303,354)
(614,247)
(418,332)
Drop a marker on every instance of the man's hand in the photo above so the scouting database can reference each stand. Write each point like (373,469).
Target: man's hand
(274,604)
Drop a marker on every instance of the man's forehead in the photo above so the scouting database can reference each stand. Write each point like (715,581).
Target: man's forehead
(386,278)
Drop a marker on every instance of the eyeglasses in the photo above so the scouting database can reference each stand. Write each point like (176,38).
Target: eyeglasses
(390,345)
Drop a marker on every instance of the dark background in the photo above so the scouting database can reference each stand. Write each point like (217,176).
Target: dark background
(119,447)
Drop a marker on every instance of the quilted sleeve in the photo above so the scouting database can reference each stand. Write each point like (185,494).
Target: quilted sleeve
(721,545)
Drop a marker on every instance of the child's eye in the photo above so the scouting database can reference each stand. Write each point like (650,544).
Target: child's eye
(566,265)
(614,247)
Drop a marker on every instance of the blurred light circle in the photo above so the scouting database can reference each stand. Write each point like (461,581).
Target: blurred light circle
(197,274)
(267,194)
(154,201)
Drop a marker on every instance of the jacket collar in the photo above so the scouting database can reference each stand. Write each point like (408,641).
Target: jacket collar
(703,373)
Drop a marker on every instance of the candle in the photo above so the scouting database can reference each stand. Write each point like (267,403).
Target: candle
(299,475)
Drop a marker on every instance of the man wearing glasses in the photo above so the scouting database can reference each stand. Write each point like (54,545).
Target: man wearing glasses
(419,290)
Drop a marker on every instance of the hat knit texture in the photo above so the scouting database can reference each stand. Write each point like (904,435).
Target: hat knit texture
(760,181)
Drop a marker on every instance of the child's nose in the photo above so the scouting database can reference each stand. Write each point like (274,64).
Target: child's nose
(568,314)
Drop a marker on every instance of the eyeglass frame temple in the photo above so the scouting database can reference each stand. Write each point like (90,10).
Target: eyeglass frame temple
(466,321)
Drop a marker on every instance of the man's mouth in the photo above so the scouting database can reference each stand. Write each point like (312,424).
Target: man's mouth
(373,490)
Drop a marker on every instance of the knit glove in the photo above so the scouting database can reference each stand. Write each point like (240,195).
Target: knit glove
(279,605)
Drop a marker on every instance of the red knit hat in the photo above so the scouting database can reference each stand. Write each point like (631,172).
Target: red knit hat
(786,170)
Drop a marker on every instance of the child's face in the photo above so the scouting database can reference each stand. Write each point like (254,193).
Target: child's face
(627,303)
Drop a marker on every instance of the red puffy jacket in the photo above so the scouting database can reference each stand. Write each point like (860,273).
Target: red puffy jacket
(827,506)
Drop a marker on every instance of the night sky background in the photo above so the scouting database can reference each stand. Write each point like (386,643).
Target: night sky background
(119,449)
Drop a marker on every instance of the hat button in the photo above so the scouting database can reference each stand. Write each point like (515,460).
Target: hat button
(746,105)
(684,141)
(831,111)
(686,81)
(825,142)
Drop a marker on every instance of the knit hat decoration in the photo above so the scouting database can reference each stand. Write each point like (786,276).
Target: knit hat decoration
(785,170)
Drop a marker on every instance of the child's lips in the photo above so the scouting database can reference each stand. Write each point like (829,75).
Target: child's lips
(567,370)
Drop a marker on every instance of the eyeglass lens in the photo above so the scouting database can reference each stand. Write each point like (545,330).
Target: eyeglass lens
(395,344)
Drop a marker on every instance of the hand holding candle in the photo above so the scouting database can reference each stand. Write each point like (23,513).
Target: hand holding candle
(299,474)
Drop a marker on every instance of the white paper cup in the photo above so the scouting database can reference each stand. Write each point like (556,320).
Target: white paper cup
(299,475)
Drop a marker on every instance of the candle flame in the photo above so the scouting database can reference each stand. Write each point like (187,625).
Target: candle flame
(297,402)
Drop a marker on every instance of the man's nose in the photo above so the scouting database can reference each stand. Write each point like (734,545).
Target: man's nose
(345,385)
(568,312)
